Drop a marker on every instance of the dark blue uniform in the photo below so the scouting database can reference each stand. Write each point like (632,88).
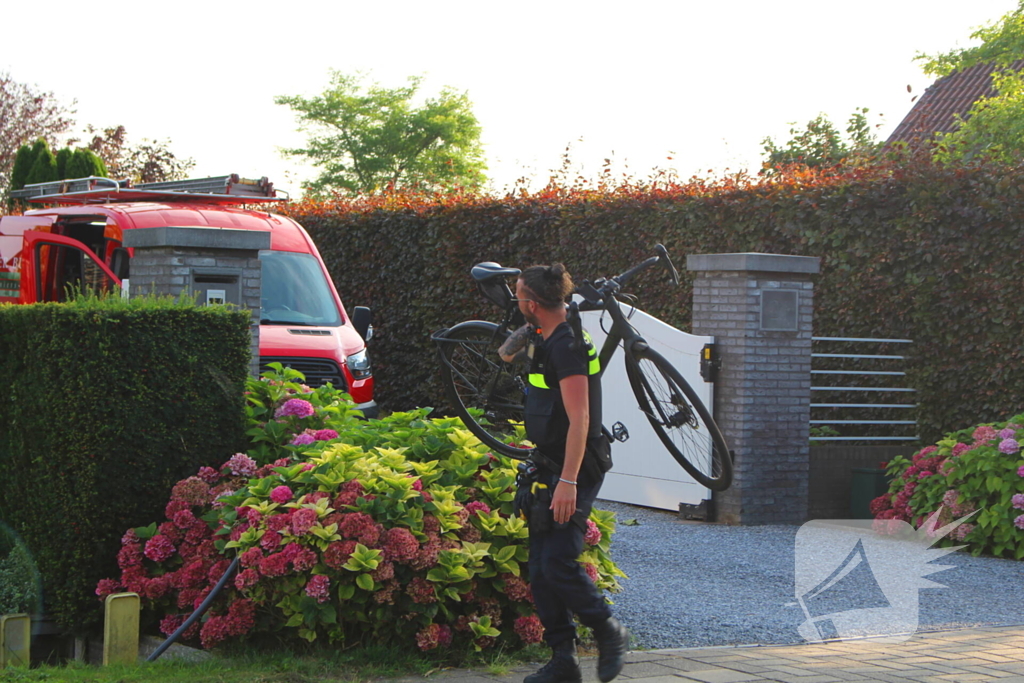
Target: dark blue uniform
(560,585)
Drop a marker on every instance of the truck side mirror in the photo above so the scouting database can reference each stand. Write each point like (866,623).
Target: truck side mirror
(361,319)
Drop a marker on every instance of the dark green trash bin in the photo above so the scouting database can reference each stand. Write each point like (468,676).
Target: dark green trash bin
(865,485)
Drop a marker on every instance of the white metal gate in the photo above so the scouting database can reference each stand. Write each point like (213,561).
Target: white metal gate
(644,472)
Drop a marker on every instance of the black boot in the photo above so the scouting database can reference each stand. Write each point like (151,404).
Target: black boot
(612,644)
(564,666)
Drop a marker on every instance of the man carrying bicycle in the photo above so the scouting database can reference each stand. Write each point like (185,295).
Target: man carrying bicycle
(563,419)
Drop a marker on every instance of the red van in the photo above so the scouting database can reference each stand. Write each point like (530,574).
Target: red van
(303,325)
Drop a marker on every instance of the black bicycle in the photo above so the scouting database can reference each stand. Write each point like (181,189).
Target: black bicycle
(488,394)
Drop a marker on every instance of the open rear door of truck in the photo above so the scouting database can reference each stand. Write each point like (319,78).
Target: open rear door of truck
(12,229)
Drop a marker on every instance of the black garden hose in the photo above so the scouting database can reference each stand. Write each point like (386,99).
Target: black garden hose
(198,613)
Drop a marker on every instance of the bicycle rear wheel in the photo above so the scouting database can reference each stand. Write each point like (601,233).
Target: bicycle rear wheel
(487,393)
(679,418)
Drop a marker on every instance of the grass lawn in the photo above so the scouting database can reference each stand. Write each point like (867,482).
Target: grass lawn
(260,666)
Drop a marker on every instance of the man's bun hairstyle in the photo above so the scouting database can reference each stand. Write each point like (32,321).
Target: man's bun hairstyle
(550,285)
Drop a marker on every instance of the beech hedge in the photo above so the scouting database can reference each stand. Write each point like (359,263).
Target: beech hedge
(909,249)
(108,404)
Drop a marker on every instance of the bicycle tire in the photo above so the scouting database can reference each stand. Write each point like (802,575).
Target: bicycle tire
(679,418)
(475,377)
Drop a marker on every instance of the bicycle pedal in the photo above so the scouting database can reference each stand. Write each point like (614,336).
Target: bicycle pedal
(619,432)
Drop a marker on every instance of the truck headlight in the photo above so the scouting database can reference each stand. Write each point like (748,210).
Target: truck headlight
(359,365)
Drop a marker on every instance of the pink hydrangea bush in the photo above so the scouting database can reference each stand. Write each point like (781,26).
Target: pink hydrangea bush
(400,530)
(976,473)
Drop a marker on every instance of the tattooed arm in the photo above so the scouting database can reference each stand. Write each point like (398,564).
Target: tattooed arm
(514,348)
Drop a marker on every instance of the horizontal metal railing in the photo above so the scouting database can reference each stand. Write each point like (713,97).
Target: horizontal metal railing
(853,372)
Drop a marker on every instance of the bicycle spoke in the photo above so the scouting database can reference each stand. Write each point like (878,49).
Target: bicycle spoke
(670,409)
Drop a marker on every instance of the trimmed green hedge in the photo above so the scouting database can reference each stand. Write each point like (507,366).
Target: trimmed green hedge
(909,249)
(108,405)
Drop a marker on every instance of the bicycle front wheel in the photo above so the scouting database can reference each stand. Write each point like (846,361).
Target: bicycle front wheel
(487,393)
(679,418)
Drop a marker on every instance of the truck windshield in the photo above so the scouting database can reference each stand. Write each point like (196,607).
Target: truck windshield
(295,291)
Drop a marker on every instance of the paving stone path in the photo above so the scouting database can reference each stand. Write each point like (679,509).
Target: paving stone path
(979,654)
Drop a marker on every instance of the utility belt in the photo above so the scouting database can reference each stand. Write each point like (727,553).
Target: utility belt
(534,489)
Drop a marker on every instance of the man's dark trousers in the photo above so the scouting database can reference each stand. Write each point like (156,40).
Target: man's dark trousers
(559,583)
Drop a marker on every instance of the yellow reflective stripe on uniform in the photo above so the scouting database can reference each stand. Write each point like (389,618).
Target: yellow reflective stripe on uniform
(594,363)
(536,379)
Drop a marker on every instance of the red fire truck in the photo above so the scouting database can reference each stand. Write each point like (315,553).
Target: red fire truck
(77,241)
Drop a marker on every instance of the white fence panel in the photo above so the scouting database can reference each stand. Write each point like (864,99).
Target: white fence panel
(644,472)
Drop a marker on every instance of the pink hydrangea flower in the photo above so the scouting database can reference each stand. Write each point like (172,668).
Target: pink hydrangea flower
(302,439)
(1009,446)
(318,587)
(1019,522)
(242,465)
(303,520)
(159,548)
(400,545)
(247,578)
(1018,501)
(271,541)
(1020,471)
(1007,433)
(984,433)
(529,629)
(209,475)
(295,406)
(962,531)
(274,565)
(429,637)
(106,587)
(593,534)
(478,505)
(251,557)
(325,434)
(282,494)
(959,449)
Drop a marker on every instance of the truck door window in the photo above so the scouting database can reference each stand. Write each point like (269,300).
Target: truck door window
(63,269)
(295,291)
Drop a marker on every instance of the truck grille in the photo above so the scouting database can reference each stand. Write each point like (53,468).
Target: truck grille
(318,371)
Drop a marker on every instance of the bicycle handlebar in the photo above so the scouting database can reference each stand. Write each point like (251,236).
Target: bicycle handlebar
(663,254)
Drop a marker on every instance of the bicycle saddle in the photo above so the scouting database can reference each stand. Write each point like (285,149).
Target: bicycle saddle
(488,269)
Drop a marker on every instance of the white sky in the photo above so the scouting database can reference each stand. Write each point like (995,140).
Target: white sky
(637,81)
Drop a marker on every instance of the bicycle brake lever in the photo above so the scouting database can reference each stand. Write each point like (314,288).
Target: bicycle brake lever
(589,293)
(662,252)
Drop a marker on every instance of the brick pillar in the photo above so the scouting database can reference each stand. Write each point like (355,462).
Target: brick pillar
(759,309)
(171,260)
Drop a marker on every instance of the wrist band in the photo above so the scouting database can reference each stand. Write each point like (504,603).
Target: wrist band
(566,481)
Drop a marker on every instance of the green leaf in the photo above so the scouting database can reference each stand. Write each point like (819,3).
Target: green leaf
(365,581)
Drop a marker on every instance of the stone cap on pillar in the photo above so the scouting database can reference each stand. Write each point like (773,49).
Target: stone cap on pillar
(754,262)
(197,237)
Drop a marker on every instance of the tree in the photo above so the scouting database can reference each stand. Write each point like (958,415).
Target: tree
(84,163)
(368,138)
(1002,42)
(820,145)
(26,114)
(149,161)
(44,164)
(993,128)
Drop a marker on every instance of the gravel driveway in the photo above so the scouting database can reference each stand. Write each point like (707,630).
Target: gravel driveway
(695,584)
